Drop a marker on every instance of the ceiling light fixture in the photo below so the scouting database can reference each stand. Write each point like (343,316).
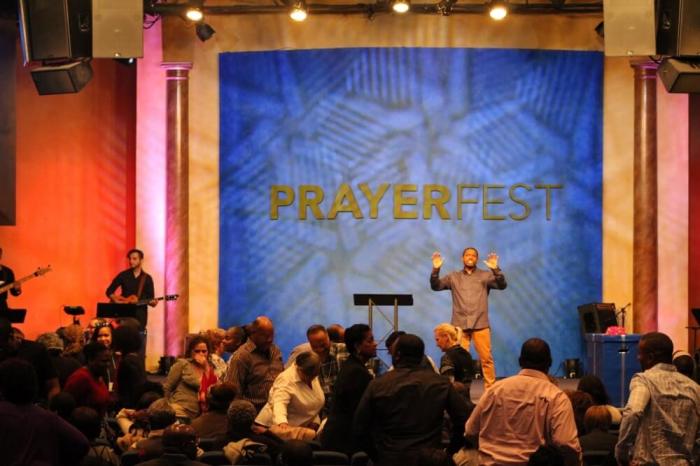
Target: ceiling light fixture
(498,9)
(400,6)
(194,14)
(299,11)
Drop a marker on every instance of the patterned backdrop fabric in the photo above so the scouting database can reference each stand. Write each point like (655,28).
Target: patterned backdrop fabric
(508,144)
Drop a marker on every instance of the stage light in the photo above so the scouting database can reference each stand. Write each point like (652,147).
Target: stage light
(194,14)
(299,11)
(498,9)
(204,31)
(400,6)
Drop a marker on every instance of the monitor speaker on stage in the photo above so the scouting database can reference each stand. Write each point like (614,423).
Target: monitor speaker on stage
(58,29)
(679,28)
(597,317)
(680,76)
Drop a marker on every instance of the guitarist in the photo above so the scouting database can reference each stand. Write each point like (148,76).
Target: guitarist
(135,285)
(7,276)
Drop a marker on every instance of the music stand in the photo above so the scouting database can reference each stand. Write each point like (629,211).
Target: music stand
(15,316)
(122,311)
(371,300)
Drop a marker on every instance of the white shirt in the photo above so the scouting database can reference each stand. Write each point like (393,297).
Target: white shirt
(291,401)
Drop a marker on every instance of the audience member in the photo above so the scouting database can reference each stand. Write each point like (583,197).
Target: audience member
(332,356)
(35,354)
(403,410)
(580,402)
(88,422)
(597,421)
(456,362)
(256,364)
(529,408)
(74,341)
(179,448)
(660,422)
(62,404)
(214,423)
(351,383)
(189,379)
(241,415)
(296,398)
(296,453)
(131,378)
(234,338)
(336,333)
(216,341)
(63,365)
(102,333)
(592,385)
(160,416)
(30,435)
(87,384)
(685,364)
(426,363)
(138,418)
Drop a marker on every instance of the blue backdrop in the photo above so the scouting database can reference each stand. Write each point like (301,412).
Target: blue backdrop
(513,118)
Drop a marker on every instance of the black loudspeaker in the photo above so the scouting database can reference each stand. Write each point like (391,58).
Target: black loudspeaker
(680,76)
(59,29)
(597,317)
(679,28)
(63,79)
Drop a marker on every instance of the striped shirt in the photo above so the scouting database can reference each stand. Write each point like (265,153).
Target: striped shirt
(253,371)
(660,422)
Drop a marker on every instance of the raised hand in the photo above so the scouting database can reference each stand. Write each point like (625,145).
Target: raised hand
(492,260)
(437,260)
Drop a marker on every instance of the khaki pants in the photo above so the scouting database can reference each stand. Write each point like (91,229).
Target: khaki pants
(482,343)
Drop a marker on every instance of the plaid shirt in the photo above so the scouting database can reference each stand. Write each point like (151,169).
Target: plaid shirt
(660,422)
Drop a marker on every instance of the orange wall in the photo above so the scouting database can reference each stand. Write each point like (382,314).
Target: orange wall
(75,201)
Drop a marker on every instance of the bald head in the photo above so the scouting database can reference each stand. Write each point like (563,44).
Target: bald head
(535,354)
(262,333)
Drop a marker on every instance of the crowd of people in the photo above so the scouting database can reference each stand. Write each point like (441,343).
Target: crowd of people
(83,397)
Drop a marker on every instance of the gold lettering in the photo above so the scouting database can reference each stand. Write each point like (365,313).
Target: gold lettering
(313,202)
(548,197)
(401,200)
(374,198)
(276,201)
(461,200)
(439,203)
(486,202)
(526,207)
(345,201)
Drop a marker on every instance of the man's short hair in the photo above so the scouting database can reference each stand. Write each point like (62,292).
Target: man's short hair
(51,341)
(314,329)
(137,251)
(87,421)
(258,323)
(472,248)
(355,334)
(241,414)
(161,414)
(335,332)
(685,364)
(410,348)
(659,346)
(393,336)
(126,339)
(63,404)
(535,354)
(180,438)
(220,396)
(296,453)
(18,381)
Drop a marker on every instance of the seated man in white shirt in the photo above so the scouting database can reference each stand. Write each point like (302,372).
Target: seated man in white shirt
(520,413)
(296,397)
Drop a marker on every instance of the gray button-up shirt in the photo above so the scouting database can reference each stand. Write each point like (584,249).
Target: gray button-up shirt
(470,293)
(660,422)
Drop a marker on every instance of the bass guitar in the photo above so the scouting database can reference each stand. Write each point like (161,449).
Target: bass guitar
(133,299)
(39,272)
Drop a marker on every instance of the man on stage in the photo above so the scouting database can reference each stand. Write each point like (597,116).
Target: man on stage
(7,276)
(470,289)
(136,285)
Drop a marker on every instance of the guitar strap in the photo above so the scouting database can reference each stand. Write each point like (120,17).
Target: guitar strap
(142,280)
